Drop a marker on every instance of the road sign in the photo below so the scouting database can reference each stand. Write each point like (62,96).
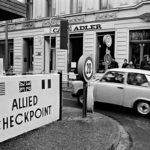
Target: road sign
(107,59)
(85,67)
(107,40)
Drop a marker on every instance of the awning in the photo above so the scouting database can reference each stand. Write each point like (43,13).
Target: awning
(11,9)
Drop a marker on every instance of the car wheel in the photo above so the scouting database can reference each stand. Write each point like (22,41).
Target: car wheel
(80,98)
(143,108)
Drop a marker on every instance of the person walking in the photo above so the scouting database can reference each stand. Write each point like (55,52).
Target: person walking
(125,64)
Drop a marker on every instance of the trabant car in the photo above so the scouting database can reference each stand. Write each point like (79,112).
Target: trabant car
(121,86)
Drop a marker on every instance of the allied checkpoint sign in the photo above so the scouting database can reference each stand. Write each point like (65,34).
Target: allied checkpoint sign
(27,102)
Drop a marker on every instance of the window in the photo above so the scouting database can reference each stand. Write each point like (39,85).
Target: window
(137,79)
(89,5)
(103,4)
(76,6)
(113,4)
(113,76)
(29,10)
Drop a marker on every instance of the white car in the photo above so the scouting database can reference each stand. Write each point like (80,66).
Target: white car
(122,86)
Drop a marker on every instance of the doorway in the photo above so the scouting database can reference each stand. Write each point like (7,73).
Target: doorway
(28,55)
(75,51)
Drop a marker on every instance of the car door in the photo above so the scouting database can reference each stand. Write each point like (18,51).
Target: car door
(137,88)
(110,89)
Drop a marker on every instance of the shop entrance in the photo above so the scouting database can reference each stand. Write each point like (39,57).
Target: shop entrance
(52,57)
(10,53)
(139,46)
(27,55)
(101,50)
(75,51)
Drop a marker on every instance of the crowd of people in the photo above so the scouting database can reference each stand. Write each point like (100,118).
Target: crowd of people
(145,63)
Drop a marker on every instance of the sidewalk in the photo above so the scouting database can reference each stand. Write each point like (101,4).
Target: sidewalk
(96,132)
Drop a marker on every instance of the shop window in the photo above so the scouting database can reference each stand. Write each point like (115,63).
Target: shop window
(76,6)
(140,35)
(139,46)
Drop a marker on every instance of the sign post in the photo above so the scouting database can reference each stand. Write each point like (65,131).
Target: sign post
(107,39)
(85,70)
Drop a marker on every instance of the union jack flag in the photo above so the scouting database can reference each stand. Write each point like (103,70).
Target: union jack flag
(24,86)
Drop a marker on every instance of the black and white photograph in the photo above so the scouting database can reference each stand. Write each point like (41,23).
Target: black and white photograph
(74,74)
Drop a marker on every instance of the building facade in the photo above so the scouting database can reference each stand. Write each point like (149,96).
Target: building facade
(127,22)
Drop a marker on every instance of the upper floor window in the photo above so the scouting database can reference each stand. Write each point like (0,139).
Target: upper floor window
(103,4)
(76,6)
(29,10)
(50,8)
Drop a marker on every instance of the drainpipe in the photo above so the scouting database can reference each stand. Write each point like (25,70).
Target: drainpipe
(6,47)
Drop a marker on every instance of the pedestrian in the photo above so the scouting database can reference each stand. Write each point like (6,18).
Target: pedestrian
(114,64)
(144,62)
(147,65)
(130,65)
(125,64)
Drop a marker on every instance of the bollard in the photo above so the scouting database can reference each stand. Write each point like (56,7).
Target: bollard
(90,98)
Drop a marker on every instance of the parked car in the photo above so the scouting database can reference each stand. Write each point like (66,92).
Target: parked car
(121,86)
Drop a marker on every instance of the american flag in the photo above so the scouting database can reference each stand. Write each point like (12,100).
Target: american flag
(2,88)
(24,86)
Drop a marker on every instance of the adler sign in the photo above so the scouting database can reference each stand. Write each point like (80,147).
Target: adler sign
(27,102)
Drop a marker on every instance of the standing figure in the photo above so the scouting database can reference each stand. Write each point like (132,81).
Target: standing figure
(125,64)
(144,62)
(113,64)
(131,65)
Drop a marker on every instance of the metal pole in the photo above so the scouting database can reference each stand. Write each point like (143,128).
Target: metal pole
(61,100)
(6,47)
(84,109)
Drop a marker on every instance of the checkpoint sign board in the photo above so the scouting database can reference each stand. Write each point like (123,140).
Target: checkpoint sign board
(27,102)
(85,67)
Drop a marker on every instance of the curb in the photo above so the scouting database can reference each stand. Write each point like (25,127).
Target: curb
(123,142)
